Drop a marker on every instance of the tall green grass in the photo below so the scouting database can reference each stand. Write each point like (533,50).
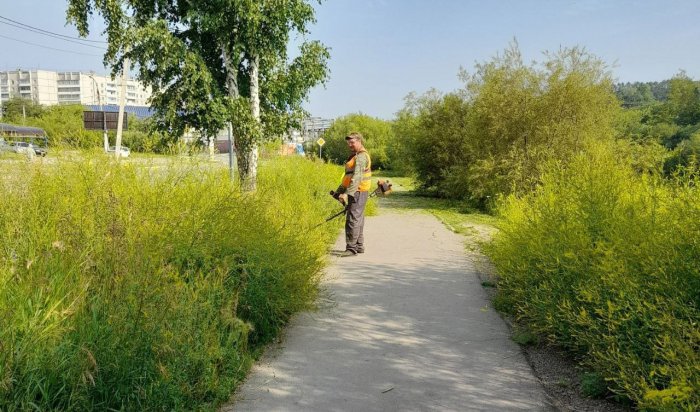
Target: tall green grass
(147,287)
(607,263)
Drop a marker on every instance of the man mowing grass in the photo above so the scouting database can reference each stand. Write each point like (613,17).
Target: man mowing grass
(354,192)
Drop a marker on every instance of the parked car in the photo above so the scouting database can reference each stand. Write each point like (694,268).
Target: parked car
(23,148)
(26,148)
(123,151)
(40,151)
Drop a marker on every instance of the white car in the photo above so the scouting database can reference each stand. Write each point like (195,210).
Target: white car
(23,148)
(123,151)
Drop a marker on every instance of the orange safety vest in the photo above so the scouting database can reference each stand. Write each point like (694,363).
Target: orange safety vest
(366,182)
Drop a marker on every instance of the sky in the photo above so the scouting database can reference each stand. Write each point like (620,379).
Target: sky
(382,50)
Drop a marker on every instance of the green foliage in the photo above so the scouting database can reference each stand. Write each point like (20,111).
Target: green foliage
(605,261)
(433,129)
(377,135)
(215,62)
(593,385)
(406,131)
(673,122)
(525,337)
(685,155)
(17,108)
(64,126)
(640,94)
(144,136)
(142,288)
(684,100)
(493,137)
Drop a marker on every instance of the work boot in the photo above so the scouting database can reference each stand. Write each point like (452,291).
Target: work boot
(361,251)
(348,253)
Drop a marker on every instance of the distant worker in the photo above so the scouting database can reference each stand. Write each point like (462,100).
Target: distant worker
(354,192)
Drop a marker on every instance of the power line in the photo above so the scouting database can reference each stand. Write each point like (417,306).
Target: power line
(50,32)
(50,48)
(51,35)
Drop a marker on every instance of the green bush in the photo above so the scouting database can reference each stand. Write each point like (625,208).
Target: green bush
(146,142)
(377,135)
(593,385)
(606,262)
(64,126)
(493,136)
(17,108)
(141,288)
(684,156)
(433,130)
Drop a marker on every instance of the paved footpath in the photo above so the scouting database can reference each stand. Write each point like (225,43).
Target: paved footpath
(403,327)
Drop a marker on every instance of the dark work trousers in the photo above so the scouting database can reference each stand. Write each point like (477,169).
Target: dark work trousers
(355,221)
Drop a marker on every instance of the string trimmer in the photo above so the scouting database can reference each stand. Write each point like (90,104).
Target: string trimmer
(383,189)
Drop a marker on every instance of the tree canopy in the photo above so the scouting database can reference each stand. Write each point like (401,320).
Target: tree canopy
(493,136)
(377,138)
(16,108)
(213,62)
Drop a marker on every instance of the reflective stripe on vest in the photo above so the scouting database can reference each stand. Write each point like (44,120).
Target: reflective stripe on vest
(366,182)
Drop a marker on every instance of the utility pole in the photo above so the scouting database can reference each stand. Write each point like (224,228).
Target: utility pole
(120,120)
(105,139)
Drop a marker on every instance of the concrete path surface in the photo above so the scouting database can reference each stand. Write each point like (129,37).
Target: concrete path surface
(403,327)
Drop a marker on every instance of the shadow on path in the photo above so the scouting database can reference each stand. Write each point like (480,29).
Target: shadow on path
(403,327)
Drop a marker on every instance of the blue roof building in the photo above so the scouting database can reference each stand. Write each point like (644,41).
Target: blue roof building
(141,112)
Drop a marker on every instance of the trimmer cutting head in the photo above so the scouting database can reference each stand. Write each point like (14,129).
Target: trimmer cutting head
(383,188)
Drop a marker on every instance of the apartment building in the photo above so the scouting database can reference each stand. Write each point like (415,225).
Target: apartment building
(38,85)
(49,88)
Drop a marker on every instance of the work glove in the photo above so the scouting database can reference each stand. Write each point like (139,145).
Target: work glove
(343,198)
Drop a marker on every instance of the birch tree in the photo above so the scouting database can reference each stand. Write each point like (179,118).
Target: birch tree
(211,62)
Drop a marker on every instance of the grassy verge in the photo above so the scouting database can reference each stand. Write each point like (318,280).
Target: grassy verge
(141,286)
(456,216)
(605,262)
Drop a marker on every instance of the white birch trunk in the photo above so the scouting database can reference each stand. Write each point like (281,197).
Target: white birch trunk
(251,155)
(233,93)
(211,147)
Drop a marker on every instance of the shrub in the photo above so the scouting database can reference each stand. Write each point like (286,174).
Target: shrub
(684,156)
(605,262)
(64,126)
(493,136)
(377,135)
(141,288)
(593,385)
(524,337)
